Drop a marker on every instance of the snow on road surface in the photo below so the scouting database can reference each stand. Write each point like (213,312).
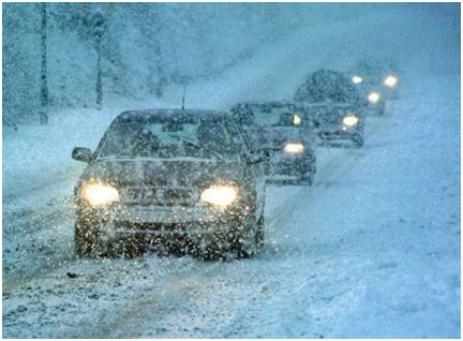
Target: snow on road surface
(372,249)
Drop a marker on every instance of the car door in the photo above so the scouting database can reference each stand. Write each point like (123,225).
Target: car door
(258,169)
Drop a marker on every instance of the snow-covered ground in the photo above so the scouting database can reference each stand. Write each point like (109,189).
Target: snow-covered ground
(371,250)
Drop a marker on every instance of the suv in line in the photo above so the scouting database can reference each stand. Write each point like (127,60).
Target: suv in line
(286,132)
(335,105)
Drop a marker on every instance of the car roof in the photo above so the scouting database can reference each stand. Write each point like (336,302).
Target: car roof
(330,104)
(272,103)
(169,114)
(303,107)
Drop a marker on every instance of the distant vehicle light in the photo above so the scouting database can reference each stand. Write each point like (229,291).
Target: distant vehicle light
(390,81)
(297,120)
(220,195)
(294,148)
(357,79)
(350,120)
(99,194)
(374,97)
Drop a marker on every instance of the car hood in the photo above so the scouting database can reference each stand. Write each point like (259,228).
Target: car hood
(178,172)
(277,137)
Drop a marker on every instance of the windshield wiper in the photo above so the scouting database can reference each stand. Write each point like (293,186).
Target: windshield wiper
(195,145)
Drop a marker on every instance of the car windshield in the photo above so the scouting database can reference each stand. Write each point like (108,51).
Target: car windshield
(330,114)
(206,138)
(268,116)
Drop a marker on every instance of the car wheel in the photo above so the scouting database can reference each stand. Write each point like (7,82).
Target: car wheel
(306,180)
(358,140)
(87,243)
(260,233)
(84,239)
(218,249)
(251,240)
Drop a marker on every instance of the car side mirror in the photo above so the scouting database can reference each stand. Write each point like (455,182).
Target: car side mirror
(255,159)
(82,154)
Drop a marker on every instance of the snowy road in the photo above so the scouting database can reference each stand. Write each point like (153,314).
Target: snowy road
(166,285)
(356,255)
(371,250)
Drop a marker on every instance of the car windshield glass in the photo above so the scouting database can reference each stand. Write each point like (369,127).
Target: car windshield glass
(281,117)
(330,114)
(205,138)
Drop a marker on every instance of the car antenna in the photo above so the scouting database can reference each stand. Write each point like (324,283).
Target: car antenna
(183,97)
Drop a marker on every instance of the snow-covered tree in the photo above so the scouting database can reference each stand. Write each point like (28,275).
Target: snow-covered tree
(145,46)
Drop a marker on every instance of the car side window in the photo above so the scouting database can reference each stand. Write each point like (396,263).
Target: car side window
(235,135)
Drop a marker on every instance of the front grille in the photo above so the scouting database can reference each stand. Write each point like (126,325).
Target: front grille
(158,196)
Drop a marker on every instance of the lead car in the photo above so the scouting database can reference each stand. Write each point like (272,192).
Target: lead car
(183,177)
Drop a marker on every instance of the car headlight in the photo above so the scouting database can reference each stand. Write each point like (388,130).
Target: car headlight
(220,195)
(357,79)
(297,120)
(374,97)
(99,194)
(294,148)
(350,121)
(390,81)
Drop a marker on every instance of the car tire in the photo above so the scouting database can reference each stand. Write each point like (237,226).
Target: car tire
(87,243)
(247,244)
(84,239)
(260,234)
(382,111)
(358,140)
(306,180)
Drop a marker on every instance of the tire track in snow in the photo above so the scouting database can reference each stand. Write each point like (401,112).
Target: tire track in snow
(44,244)
(203,290)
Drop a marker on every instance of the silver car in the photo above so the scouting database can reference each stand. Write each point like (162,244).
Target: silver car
(182,177)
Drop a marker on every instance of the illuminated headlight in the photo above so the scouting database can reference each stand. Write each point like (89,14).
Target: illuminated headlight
(390,81)
(357,79)
(220,195)
(294,148)
(350,121)
(297,120)
(99,194)
(374,97)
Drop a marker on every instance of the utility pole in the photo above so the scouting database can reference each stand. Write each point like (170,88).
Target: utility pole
(43,74)
(183,97)
(98,25)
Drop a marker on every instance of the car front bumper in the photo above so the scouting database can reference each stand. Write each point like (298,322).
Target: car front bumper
(339,133)
(122,221)
(164,215)
(291,166)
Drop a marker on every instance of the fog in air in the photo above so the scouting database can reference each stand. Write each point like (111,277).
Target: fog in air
(231,170)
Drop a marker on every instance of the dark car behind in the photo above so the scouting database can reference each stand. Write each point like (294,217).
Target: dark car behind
(286,132)
(335,105)
(380,76)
